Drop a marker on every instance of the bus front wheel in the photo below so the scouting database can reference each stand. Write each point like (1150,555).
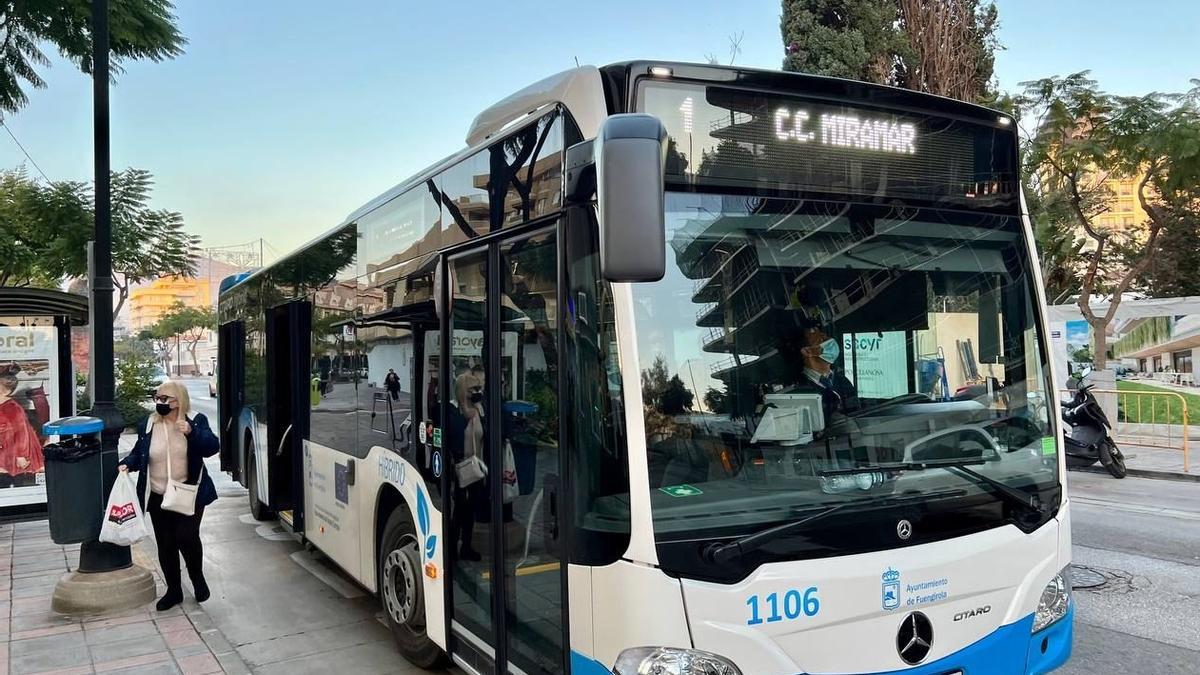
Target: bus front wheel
(402,593)
(257,509)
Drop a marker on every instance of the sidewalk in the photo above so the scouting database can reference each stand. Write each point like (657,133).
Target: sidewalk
(35,640)
(1154,462)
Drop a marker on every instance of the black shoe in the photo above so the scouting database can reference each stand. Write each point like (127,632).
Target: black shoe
(200,586)
(169,600)
(469,554)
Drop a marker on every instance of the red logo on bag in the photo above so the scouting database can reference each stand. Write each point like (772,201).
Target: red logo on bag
(122,513)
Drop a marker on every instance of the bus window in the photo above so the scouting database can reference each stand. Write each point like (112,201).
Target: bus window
(530,479)
(465,443)
(597,462)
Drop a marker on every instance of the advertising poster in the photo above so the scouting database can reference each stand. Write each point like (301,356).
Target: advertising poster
(877,363)
(28,396)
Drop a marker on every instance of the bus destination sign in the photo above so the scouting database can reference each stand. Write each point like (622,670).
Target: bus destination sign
(848,131)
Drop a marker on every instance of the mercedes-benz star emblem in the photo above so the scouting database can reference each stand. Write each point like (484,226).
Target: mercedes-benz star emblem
(915,638)
(904,529)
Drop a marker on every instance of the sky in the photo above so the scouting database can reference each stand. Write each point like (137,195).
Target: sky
(283,116)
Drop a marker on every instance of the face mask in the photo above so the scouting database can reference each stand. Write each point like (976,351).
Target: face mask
(163,409)
(830,351)
(475,397)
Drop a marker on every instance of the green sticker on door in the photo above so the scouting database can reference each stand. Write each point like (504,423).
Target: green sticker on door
(1049,447)
(681,490)
(437,437)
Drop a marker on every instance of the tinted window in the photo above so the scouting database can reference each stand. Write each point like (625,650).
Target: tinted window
(402,229)
(527,171)
(463,190)
(599,473)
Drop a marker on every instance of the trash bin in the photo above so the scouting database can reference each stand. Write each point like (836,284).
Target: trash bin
(75,495)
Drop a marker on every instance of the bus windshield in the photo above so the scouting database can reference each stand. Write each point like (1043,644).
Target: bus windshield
(800,355)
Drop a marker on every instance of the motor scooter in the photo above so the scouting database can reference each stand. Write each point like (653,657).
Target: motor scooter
(1088,440)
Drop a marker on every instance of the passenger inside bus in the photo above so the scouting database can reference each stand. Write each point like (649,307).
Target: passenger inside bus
(465,440)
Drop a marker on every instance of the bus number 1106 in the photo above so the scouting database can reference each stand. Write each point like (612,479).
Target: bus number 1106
(792,606)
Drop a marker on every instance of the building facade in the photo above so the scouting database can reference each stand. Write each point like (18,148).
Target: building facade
(1160,344)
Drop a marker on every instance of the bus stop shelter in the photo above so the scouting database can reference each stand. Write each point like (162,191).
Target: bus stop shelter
(37,384)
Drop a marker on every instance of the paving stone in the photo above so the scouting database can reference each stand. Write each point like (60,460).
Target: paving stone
(59,657)
(111,651)
(120,633)
(165,668)
(131,662)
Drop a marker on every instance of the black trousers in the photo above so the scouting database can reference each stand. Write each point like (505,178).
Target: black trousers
(176,534)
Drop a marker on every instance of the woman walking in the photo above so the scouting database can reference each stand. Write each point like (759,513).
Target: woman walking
(171,449)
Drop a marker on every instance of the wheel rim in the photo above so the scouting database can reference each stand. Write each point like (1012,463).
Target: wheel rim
(400,584)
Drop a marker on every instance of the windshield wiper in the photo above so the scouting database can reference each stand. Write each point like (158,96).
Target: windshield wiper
(1027,500)
(723,553)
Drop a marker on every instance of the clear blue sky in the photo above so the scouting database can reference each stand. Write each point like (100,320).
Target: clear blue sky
(285,115)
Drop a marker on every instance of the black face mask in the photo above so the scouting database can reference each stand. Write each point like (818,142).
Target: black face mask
(475,397)
(163,409)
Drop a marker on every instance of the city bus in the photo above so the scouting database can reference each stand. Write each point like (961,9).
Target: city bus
(716,370)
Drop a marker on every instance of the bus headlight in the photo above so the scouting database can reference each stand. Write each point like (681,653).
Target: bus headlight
(1054,603)
(672,661)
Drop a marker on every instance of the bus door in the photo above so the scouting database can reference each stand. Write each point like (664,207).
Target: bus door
(501,442)
(230,383)
(288,328)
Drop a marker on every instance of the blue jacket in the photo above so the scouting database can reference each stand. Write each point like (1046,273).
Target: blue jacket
(201,443)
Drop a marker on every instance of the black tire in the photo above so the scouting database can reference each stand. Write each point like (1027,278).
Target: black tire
(1113,459)
(258,509)
(401,591)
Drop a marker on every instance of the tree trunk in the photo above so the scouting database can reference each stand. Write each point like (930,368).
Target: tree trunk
(122,296)
(1100,343)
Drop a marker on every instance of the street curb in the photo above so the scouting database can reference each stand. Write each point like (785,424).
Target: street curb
(1146,473)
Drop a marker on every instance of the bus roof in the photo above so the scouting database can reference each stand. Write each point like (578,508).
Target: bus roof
(585,89)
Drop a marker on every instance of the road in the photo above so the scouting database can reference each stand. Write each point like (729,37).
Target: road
(1143,538)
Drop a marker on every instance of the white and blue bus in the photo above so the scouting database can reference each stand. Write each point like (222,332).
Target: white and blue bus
(716,370)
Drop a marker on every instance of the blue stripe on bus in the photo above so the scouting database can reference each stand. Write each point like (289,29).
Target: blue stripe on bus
(992,655)
(585,665)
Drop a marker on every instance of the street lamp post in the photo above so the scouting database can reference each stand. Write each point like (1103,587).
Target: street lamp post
(106,578)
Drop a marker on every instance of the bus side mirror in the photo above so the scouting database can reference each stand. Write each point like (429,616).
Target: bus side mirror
(630,152)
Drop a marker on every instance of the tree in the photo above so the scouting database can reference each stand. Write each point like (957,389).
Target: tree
(1059,245)
(33,217)
(165,339)
(138,29)
(1077,137)
(854,39)
(1082,355)
(134,346)
(943,47)
(1172,272)
(716,401)
(676,399)
(655,381)
(147,243)
(46,228)
(184,325)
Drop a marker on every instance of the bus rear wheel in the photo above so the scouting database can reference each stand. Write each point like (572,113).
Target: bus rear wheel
(258,509)
(402,593)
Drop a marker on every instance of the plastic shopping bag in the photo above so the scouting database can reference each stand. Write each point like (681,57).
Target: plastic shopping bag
(509,477)
(124,522)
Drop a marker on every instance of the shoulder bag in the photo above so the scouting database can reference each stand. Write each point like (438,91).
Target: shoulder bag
(179,497)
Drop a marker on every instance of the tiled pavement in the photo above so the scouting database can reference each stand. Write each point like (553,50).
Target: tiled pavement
(33,639)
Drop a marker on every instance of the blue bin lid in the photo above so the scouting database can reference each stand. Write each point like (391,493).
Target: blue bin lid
(70,426)
(520,407)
